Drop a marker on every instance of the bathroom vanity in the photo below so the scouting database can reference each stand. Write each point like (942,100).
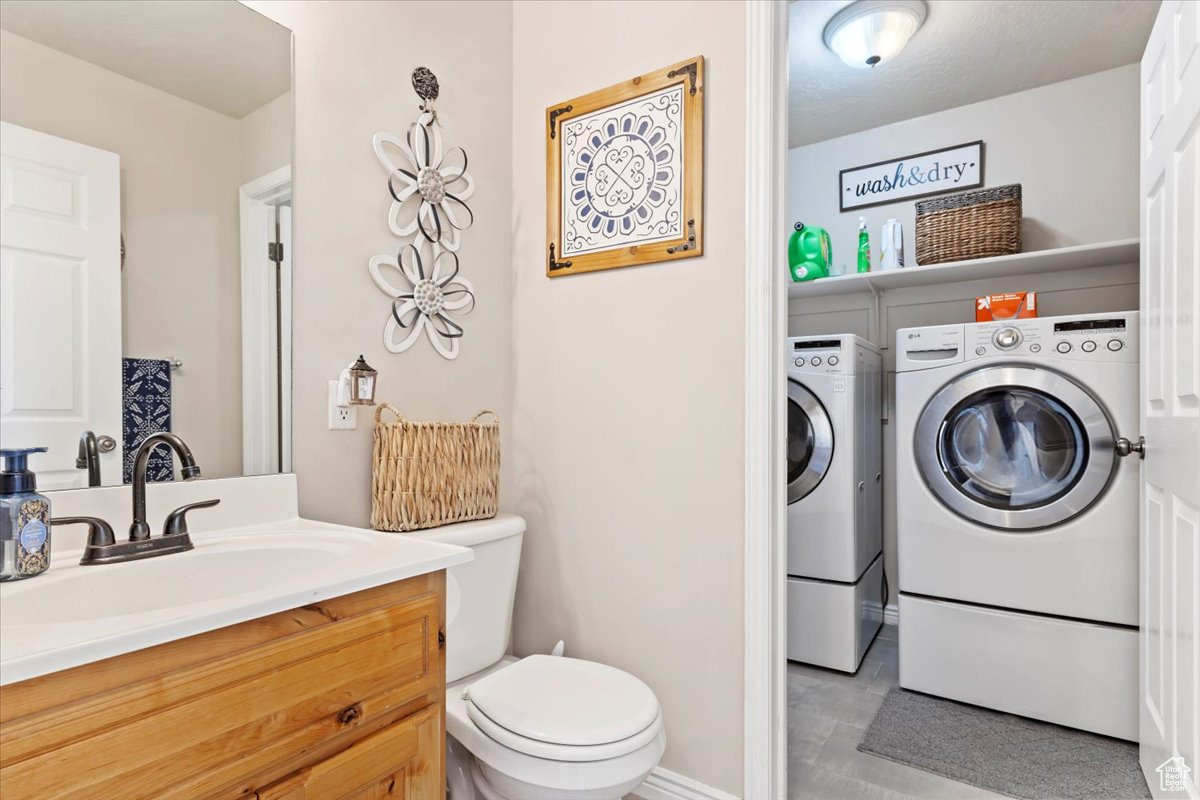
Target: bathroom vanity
(313,670)
(286,706)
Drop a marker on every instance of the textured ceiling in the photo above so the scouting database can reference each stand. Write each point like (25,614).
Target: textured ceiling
(216,53)
(965,52)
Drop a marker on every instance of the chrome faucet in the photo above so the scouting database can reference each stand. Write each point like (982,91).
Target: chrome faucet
(139,529)
(102,546)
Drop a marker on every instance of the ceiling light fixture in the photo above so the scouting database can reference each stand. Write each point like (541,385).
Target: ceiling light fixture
(869,32)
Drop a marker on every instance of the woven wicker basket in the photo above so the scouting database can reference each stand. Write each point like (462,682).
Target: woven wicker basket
(427,474)
(976,224)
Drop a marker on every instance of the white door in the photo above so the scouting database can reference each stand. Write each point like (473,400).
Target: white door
(1170,403)
(60,301)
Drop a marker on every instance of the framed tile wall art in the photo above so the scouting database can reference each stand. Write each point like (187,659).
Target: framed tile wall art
(625,173)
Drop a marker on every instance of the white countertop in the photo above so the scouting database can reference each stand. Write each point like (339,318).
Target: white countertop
(75,615)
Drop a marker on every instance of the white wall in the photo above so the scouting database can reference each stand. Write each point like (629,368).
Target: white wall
(1071,145)
(606,382)
(179,179)
(265,138)
(628,394)
(352,67)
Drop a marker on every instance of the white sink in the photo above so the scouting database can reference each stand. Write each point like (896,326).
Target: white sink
(75,614)
(230,565)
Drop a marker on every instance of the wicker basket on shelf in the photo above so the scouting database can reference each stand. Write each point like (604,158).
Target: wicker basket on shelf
(426,474)
(978,224)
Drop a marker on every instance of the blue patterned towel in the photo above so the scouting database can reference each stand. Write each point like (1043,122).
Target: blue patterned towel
(146,401)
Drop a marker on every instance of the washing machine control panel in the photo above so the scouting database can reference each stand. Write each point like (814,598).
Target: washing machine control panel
(1007,338)
(824,356)
(1108,337)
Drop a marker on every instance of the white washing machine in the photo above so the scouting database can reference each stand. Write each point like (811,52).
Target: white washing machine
(1017,517)
(835,519)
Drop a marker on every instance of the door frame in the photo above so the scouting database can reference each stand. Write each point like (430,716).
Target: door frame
(259,446)
(765,725)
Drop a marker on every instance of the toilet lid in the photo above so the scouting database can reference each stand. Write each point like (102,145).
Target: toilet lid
(565,701)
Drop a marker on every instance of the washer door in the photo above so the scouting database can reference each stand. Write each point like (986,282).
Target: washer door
(809,443)
(1015,448)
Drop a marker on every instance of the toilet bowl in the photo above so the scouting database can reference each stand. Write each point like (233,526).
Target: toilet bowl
(603,759)
(541,727)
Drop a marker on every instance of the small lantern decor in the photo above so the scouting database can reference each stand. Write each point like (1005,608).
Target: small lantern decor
(362,383)
(356,386)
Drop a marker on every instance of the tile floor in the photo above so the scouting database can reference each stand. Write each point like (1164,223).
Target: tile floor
(828,714)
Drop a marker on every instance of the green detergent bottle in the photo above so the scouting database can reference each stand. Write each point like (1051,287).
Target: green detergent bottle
(809,253)
(864,246)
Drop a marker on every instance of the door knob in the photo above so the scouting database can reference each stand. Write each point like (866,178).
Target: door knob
(1125,447)
(106,444)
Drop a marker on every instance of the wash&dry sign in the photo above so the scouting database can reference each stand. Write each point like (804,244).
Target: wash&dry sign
(934,172)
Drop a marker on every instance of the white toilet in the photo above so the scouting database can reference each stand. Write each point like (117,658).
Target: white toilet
(542,727)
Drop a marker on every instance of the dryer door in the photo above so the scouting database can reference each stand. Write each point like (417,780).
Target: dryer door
(810,441)
(1015,448)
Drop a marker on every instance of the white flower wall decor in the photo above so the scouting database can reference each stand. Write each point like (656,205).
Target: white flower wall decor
(429,187)
(427,290)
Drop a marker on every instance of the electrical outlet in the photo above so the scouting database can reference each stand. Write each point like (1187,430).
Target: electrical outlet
(340,418)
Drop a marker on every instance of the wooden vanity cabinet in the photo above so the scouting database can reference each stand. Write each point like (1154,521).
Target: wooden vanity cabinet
(392,763)
(338,700)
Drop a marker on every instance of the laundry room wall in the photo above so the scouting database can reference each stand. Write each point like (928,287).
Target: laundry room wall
(628,394)
(1071,145)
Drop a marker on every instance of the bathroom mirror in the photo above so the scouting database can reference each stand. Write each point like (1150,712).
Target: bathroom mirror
(145,236)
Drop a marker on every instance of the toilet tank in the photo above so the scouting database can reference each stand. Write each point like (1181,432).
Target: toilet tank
(480,593)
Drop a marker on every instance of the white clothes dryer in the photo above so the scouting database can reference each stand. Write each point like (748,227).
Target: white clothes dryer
(835,520)
(1017,517)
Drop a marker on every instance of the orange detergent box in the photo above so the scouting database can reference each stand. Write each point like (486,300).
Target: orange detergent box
(1010,305)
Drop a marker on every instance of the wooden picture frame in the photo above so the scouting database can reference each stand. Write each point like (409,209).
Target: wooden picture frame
(625,173)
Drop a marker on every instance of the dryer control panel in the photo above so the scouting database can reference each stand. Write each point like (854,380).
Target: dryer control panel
(829,355)
(819,355)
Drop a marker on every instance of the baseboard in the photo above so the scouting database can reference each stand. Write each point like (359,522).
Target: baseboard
(663,784)
(889,615)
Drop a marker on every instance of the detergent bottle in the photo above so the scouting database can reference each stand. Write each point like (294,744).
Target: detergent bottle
(809,253)
(891,245)
(864,246)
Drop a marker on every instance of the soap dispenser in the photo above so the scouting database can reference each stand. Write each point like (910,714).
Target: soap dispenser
(24,518)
